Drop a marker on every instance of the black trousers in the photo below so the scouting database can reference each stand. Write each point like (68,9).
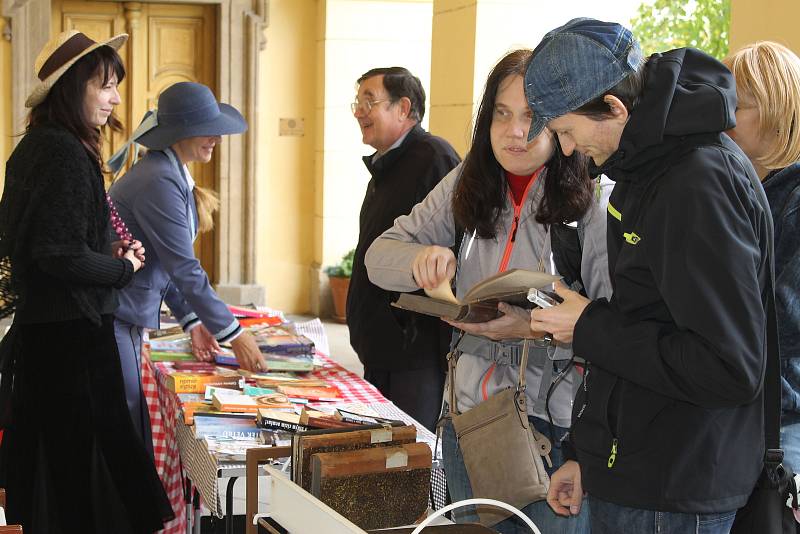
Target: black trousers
(418,392)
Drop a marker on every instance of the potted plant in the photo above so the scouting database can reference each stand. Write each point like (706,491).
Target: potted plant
(339,277)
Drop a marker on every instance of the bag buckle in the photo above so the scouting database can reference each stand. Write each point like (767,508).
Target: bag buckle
(506,354)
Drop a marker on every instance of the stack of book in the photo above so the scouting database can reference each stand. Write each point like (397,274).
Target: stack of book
(282,349)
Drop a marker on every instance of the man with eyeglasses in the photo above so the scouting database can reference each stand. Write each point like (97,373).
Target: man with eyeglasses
(402,352)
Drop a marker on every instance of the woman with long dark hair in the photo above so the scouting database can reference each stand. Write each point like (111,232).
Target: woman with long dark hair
(504,199)
(70,459)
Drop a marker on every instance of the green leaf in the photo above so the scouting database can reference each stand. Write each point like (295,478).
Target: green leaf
(662,25)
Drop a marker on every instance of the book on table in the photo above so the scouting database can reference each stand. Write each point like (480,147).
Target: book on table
(305,444)
(188,381)
(479,304)
(226,425)
(290,421)
(395,480)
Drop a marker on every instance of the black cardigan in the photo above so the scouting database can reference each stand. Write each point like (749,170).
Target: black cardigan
(54,227)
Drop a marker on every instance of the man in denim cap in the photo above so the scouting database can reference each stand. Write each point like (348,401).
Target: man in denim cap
(667,433)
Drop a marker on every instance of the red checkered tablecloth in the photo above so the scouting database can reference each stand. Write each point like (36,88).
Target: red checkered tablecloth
(165,417)
(164,414)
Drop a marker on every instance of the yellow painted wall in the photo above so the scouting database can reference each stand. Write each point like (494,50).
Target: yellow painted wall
(285,168)
(773,20)
(354,36)
(6,130)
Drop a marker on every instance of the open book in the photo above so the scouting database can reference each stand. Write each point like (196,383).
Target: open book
(480,302)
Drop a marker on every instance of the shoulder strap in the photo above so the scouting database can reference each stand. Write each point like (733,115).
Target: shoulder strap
(772,377)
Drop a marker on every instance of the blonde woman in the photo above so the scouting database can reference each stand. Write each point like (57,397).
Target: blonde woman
(768,131)
(158,201)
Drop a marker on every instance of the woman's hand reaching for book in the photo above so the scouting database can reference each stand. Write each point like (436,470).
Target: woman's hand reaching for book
(432,266)
(560,320)
(247,354)
(204,344)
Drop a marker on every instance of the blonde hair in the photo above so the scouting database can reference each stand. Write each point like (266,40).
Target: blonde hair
(770,73)
(207,203)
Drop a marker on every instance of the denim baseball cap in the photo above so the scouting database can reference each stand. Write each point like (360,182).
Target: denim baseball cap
(574,64)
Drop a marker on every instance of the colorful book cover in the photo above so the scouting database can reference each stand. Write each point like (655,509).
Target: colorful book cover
(238,426)
(234,403)
(162,356)
(196,381)
(278,340)
(311,393)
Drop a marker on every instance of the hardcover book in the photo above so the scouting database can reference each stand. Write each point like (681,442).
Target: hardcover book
(305,444)
(395,480)
(480,302)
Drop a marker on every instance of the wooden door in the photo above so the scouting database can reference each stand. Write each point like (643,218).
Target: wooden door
(168,43)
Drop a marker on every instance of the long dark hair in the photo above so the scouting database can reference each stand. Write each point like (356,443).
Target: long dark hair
(481,192)
(63,105)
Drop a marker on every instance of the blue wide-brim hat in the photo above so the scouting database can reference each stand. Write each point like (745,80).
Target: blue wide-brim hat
(189,109)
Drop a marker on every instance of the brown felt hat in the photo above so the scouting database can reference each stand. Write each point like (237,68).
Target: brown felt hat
(59,54)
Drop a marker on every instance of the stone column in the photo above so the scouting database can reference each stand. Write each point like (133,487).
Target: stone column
(238,63)
(29,22)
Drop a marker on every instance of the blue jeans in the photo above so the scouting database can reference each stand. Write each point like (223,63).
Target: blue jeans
(608,518)
(790,441)
(540,512)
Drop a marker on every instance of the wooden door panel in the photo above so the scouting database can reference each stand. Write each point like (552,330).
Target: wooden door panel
(181,40)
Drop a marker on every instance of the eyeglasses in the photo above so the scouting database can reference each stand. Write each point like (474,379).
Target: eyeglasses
(365,105)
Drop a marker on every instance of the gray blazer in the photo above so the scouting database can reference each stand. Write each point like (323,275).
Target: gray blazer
(157,205)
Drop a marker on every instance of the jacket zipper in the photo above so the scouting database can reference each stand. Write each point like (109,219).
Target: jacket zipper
(515,225)
(507,257)
(612,458)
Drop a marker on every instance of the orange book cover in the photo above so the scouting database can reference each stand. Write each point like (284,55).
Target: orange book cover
(311,393)
(235,403)
(196,382)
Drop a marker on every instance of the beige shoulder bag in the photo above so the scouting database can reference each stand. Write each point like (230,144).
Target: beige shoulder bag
(502,452)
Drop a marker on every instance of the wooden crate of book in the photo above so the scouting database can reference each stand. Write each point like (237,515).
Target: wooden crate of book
(375,487)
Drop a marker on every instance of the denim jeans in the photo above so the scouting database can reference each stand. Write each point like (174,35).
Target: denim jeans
(540,512)
(608,518)
(790,441)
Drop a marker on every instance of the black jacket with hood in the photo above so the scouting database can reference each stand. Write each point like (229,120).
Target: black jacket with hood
(670,417)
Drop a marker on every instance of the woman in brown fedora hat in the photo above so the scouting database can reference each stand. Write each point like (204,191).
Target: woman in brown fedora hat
(71,460)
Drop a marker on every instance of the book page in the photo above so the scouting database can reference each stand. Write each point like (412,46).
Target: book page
(443,292)
(508,281)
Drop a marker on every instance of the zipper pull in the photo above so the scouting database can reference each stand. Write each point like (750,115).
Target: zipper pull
(613,457)
(514,231)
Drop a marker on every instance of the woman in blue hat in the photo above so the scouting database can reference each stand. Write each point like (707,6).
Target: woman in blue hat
(161,205)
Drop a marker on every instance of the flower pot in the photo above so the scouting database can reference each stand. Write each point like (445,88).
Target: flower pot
(339,286)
